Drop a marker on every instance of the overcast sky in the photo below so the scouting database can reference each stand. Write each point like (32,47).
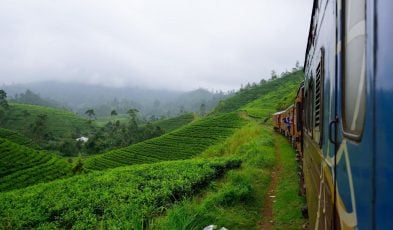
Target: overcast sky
(173,44)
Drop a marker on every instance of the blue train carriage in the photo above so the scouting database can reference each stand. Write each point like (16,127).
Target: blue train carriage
(348,108)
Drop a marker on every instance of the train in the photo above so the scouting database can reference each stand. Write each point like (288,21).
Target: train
(341,120)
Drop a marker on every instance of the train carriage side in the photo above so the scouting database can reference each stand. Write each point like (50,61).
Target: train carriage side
(348,106)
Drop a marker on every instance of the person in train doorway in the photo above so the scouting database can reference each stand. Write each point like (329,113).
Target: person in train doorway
(288,124)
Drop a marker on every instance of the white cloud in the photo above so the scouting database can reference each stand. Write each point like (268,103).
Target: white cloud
(171,44)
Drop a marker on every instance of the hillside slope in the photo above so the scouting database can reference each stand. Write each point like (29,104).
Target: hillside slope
(60,124)
(17,138)
(248,95)
(173,193)
(21,166)
(171,124)
(183,143)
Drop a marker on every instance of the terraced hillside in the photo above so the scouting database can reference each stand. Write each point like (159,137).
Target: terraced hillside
(170,191)
(246,96)
(272,101)
(21,166)
(175,122)
(17,138)
(124,198)
(60,123)
(183,143)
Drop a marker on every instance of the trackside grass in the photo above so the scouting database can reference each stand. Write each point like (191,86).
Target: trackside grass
(183,143)
(235,201)
(122,198)
(287,208)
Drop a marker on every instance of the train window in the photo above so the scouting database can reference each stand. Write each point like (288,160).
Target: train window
(299,110)
(309,107)
(319,78)
(354,80)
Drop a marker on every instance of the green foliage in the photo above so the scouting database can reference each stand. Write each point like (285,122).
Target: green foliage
(250,94)
(60,125)
(3,99)
(126,198)
(17,138)
(21,166)
(115,135)
(29,97)
(287,208)
(183,143)
(176,122)
(235,201)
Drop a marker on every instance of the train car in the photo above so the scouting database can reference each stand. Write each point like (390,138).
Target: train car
(298,119)
(277,120)
(347,121)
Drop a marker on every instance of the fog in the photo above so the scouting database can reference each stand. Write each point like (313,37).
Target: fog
(173,44)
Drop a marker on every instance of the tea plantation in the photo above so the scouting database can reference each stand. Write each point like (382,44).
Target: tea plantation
(21,166)
(60,123)
(183,143)
(17,138)
(175,122)
(125,198)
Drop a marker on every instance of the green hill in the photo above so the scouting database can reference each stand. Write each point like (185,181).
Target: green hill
(60,123)
(183,143)
(124,198)
(21,166)
(252,93)
(17,138)
(170,191)
(175,122)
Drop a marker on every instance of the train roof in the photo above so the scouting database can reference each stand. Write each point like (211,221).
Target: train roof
(310,31)
(280,112)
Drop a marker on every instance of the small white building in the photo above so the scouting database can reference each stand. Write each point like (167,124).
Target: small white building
(82,139)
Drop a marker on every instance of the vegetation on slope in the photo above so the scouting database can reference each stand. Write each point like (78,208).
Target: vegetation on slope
(253,92)
(21,166)
(275,100)
(135,196)
(181,144)
(17,138)
(286,209)
(171,124)
(235,201)
(58,124)
(126,197)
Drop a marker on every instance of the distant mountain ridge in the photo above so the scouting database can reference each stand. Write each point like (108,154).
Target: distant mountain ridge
(79,97)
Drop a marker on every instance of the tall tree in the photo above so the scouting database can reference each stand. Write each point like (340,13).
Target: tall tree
(38,128)
(90,113)
(202,109)
(3,99)
(113,113)
(133,113)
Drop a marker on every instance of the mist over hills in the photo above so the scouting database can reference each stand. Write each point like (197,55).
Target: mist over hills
(150,102)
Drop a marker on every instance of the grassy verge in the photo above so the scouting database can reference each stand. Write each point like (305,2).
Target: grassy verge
(235,201)
(287,208)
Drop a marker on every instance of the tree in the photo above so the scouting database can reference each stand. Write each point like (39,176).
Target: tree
(38,128)
(133,113)
(274,75)
(3,104)
(113,113)
(90,113)
(3,99)
(263,81)
(202,109)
